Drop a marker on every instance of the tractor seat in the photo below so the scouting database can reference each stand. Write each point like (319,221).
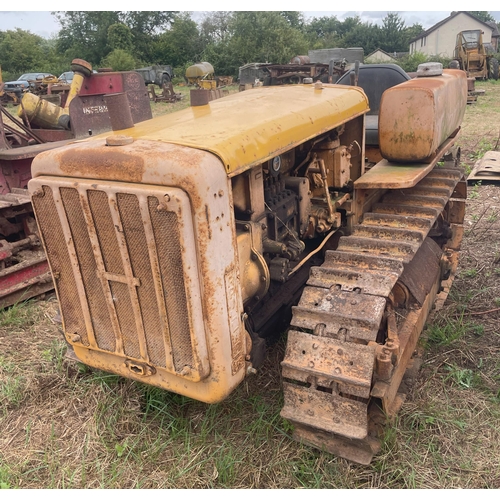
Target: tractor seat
(375,79)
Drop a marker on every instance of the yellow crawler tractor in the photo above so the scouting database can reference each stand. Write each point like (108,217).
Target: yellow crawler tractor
(475,57)
(180,245)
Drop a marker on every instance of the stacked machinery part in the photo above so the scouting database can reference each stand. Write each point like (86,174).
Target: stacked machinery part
(179,260)
(24,271)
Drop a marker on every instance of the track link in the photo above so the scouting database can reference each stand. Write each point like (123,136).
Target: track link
(346,353)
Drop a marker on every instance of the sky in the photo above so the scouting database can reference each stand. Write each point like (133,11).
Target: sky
(45,25)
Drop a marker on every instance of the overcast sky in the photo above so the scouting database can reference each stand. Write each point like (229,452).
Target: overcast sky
(44,24)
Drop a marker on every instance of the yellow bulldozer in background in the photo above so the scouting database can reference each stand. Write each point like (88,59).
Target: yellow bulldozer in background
(180,246)
(475,57)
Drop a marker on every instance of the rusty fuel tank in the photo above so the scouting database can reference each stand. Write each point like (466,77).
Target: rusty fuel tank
(417,116)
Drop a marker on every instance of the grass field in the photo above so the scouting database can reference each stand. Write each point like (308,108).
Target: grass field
(63,425)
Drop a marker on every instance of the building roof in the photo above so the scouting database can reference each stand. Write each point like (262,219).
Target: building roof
(494,26)
(393,55)
(383,52)
(444,21)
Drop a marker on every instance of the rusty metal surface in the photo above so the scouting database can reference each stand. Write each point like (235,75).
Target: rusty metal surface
(329,361)
(487,169)
(329,412)
(54,135)
(31,151)
(356,450)
(421,273)
(399,175)
(396,226)
(219,302)
(385,248)
(89,113)
(199,97)
(102,83)
(356,315)
(28,278)
(136,250)
(239,143)
(417,116)
(119,111)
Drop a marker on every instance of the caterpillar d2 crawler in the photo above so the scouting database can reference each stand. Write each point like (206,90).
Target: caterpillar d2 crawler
(179,245)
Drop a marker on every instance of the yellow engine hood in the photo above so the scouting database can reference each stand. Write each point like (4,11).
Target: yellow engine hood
(251,127)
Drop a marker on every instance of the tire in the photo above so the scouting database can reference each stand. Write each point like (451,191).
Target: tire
(165,80)
(493,69)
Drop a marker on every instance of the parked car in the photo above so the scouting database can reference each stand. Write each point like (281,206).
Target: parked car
(66,77)
(25,82)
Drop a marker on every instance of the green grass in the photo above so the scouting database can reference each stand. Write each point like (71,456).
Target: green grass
(20,314)
(465,378)
(446,331)
(12,385)
(474,192)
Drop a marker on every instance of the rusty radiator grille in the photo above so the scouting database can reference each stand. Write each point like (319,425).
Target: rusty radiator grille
(58,256)
(170,260)
(120,273)
(97,302)
(106,231)
(133,229)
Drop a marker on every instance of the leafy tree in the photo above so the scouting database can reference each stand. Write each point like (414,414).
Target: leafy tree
(411,32)
(181,42)
(348,25)
(215,27)
(294,18)
(146,27)
(393,37)
(120,36)
(119,60)
(482,15)
(323,32)
(84,34)
(21,52)
(264,36)
(411,61)
(366,35)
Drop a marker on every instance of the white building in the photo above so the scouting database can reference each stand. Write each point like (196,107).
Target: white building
(379,56)
(440,39)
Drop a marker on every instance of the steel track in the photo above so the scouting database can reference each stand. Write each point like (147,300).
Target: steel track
(346,352)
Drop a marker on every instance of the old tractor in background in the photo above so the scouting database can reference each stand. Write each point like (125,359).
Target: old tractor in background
(93,101)
(474,57)
(180,246)
(325,65)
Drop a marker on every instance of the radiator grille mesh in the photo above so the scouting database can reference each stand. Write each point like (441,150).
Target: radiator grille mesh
(169,256)
(133,229)
(166,231)
(97,302)
(106,231)
(126,287)
(58,256)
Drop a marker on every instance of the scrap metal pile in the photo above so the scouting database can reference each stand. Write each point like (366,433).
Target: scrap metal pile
(93,103)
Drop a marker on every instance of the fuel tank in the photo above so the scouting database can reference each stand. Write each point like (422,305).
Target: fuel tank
(417,116)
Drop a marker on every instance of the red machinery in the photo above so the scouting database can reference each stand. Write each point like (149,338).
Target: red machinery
(24,272)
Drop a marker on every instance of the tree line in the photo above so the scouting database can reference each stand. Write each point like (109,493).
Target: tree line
(125,40)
